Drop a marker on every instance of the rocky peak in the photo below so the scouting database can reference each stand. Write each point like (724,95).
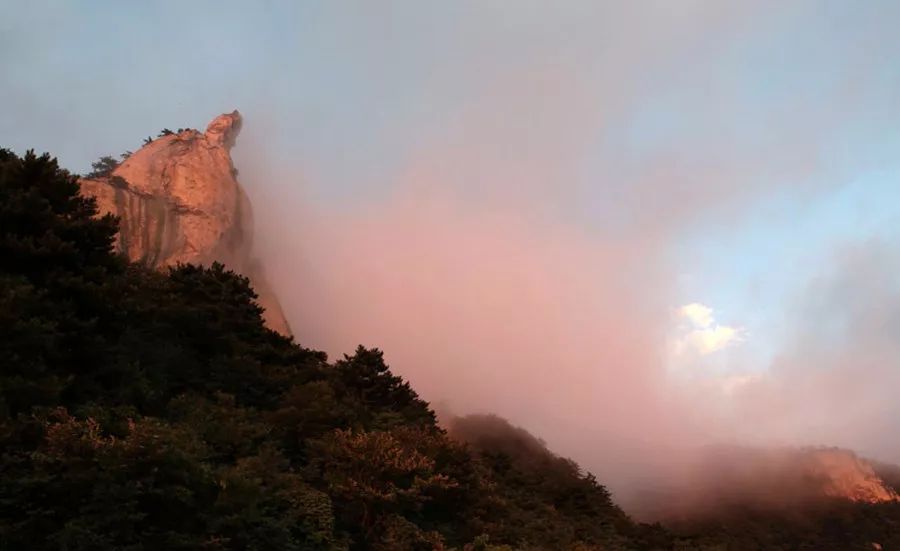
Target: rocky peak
(179,201)
(223,130)
(845,475)
(728,480)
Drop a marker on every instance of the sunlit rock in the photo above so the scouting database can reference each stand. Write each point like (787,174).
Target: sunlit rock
(179,201)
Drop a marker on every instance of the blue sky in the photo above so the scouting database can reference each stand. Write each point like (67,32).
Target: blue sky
(749,140)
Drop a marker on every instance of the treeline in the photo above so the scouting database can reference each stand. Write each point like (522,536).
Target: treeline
(146,410)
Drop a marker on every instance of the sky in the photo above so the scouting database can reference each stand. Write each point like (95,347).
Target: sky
(621,225)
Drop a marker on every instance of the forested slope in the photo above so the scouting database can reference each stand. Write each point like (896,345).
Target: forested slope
(146,410)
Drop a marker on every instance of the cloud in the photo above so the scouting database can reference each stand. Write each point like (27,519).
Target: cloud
(521,260)
(835,380)
(703,335)
(733,383)
(698,314)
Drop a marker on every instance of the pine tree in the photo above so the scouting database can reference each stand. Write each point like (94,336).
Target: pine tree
(103,166)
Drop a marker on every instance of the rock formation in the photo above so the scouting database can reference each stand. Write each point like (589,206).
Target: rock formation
(179,201)
(844,475)
(725,481)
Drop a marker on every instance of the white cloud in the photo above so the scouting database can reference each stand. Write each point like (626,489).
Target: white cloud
(698,314)
(702,335)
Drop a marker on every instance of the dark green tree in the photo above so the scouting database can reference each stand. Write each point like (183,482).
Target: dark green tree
(57,274)
(103,167)
(383,399)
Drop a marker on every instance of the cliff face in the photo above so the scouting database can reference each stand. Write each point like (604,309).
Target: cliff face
(179,201)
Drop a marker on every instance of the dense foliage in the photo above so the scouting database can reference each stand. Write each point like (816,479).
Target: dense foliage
(145,410)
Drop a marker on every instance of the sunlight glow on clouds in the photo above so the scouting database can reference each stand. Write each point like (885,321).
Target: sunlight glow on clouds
(698,314)
(700,335)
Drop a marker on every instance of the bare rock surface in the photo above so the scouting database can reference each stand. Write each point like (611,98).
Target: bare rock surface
(179,201)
